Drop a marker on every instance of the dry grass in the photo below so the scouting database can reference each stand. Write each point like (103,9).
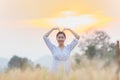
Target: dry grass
(85,72)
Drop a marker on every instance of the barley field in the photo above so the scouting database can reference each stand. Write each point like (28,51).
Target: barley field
(87,71)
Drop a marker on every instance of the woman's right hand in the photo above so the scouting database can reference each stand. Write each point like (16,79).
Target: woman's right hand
(49,32)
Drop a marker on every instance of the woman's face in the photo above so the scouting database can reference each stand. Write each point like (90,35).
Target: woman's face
(60,39)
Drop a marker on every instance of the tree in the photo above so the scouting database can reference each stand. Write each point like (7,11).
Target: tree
(91,51)
(18,62)
(99,41)
(38,66)
(14,62)
(77,58)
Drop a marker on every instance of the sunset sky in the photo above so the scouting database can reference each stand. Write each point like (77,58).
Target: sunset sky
(23,23)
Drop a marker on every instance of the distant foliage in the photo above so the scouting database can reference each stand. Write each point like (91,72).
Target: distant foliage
(38,66)
(77,58)
(97,44)
(18,62)
(91,51)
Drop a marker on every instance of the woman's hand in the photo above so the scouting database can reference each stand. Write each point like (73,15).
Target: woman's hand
(74,33)
(49,32)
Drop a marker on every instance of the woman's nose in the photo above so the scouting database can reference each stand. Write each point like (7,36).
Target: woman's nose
(60,38)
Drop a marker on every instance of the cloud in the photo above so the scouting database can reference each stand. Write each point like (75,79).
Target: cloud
(27,9)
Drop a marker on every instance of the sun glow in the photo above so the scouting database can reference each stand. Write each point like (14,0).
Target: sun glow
(71,19)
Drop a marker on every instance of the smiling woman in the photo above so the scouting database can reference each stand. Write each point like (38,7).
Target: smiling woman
(61,53)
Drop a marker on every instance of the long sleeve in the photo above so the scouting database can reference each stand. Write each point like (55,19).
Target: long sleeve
(73,44)
(48,43)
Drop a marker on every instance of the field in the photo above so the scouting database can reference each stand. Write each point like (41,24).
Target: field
(87,71)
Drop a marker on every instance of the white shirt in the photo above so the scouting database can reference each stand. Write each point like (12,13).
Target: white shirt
(60,57)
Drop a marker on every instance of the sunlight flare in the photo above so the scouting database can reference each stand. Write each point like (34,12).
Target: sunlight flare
(71,19)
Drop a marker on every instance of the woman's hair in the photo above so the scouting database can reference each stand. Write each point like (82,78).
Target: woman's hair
(60,32)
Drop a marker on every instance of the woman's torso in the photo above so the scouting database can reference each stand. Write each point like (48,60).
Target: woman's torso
(61,58)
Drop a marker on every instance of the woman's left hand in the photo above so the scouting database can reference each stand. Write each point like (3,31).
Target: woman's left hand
(74,33)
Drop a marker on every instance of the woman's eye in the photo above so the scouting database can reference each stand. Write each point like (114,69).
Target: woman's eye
(60,37)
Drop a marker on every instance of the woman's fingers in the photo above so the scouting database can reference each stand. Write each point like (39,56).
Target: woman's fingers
(60,29)
(63,29)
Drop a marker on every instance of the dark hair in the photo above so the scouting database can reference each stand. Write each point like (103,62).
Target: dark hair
(60,32)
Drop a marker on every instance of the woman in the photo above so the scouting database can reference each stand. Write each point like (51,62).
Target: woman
(61,53)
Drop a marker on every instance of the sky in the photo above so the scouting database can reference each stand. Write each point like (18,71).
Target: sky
(24,22)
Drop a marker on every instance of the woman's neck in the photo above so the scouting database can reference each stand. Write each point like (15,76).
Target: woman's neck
(61,46)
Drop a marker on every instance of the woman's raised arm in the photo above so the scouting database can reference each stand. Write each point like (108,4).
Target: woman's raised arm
(46,39)
(49,32)
(74,33)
